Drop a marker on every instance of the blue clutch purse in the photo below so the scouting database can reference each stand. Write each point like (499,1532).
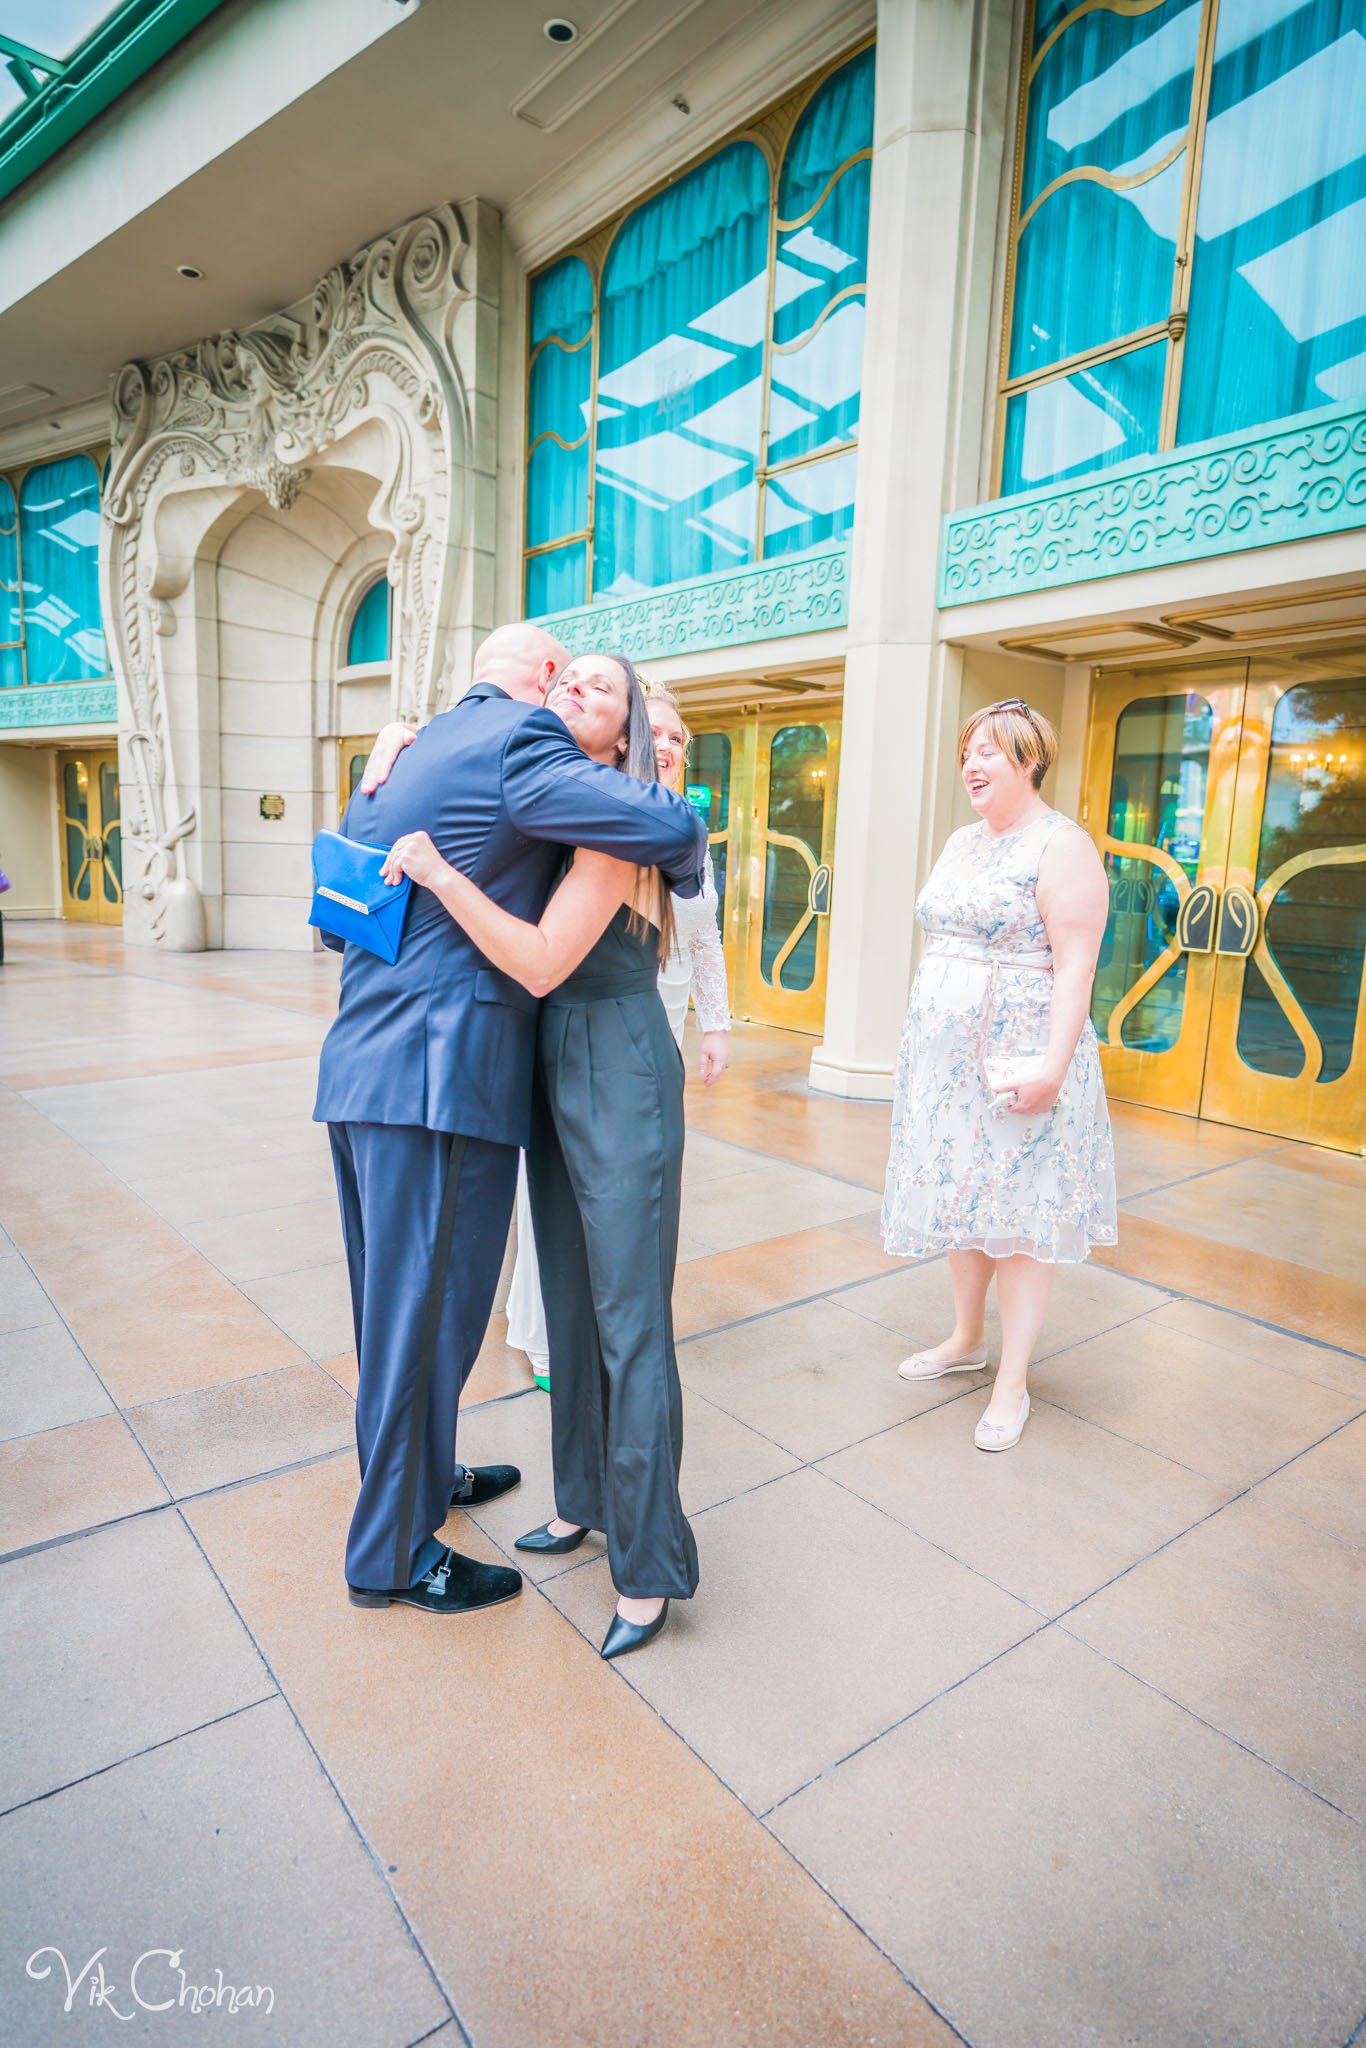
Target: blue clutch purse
(349,899)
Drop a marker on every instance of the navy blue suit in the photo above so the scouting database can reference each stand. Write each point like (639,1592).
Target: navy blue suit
(425,1082)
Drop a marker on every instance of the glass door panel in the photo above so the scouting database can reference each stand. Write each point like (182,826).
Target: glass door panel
(766,785)
(708,788)
(88,817)
(111,867)
(1160,777)
(1288,1033)
(790,853)
(353,753)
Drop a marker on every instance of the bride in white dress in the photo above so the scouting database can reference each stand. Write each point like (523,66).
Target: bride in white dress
(696,968)
(1001,1149)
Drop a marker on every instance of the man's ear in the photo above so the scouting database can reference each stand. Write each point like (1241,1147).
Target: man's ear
(549,671)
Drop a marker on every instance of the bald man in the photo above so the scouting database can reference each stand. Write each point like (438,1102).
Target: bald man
(425,1085)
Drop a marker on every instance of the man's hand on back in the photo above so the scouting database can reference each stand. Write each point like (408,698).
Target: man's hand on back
(388,746)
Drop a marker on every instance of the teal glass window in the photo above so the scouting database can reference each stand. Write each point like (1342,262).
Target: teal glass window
(680,378)
(11,612)
(698,407)
(1278,281)
(59,553)
(559,414)
(1249,282)
(1101,182)
(1091,420)
(368,639)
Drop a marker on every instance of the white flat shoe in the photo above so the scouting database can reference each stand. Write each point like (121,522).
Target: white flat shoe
(922,1365)
(1002,1436)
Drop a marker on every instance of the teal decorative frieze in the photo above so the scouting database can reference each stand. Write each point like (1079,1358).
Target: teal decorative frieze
(1291,480)
(807,593)
(59,704)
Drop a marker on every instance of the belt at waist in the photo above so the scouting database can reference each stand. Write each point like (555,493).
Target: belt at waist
(948,948)
(597,988)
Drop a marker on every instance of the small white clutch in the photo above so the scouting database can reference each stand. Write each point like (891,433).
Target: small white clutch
(1003,1075)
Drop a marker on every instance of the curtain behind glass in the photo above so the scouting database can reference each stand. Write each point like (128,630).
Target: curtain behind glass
(368,639)
(11,617)
(816,370)
(1093,263)
(1092,419)
(559,403)
(59,538)
(680,382)
(1278,282)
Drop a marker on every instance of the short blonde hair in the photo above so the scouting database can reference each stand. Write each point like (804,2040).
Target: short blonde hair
(1025,735)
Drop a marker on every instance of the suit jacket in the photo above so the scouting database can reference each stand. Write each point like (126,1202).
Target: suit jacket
(441,1038)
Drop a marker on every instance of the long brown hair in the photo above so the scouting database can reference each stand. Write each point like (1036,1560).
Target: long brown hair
(639,760)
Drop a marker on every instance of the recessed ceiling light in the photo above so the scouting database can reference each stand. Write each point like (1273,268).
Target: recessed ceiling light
(561,31)
(188,270)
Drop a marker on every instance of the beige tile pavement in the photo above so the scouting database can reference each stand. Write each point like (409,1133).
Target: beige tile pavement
(1057,1854)
(1050,1527)
(1257,1623)
(217,1435)
(45,1381)
(824,1614)
(1231,1418)
(1326,1485)
(229,1848)
(127,1639)
(75,1477)
(591,1920)
(812,1378)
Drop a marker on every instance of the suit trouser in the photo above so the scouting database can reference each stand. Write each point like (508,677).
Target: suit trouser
(605,1166)
(425,1218)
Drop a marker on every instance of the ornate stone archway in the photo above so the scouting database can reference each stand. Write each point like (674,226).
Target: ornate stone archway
(387,337)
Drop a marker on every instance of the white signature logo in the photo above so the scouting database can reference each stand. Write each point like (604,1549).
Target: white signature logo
(152,1985)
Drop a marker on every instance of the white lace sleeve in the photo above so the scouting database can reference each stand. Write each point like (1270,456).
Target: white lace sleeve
(699,942)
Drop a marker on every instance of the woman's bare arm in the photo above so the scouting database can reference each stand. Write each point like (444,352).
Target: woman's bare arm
(540,956)
(1074,902)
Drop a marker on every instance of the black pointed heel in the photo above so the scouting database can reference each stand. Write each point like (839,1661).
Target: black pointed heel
(624,1636)
(548,1545)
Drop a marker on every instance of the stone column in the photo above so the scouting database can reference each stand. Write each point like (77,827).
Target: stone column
(943,77)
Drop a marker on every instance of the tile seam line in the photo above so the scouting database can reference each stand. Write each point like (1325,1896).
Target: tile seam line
(114,1408)
(134,1755)
(1052,1621)
(368,1848)
(173,1501)
(748,1811)
(954,1685)
(1357,1820)
(1277,1330)
(1201,1173)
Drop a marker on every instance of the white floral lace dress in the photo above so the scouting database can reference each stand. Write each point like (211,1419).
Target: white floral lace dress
(965,1173)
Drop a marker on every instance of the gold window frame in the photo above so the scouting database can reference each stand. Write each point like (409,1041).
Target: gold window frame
(770,132)
(1172,329)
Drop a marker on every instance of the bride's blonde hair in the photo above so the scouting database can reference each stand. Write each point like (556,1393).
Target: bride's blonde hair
(655,693)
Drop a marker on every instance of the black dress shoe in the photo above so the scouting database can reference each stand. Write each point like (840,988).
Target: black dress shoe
(484,1483)
(624,1636)
(454,1585)
(549,1546)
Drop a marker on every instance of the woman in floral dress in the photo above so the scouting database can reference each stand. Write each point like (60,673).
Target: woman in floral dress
(1001,1150)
